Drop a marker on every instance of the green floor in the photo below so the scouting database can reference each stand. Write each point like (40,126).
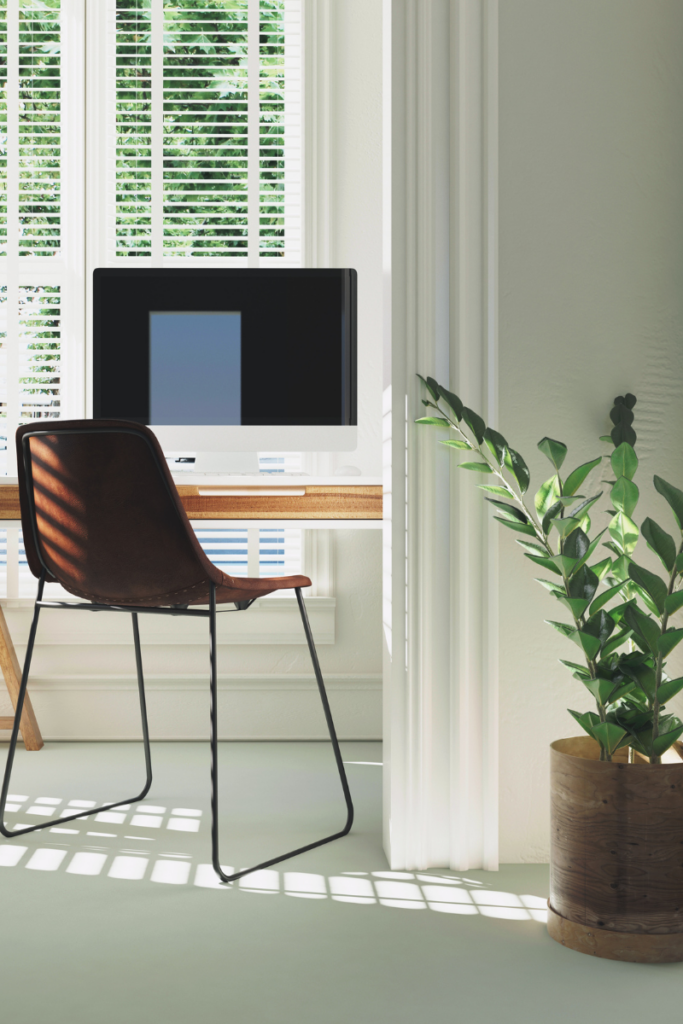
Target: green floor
(121,921)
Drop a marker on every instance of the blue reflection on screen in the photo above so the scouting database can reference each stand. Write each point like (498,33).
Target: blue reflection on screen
(194,368)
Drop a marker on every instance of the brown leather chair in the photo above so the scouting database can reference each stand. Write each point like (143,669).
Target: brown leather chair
(102,517)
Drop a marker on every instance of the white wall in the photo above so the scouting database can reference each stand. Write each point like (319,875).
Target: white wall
(591,305)
(84,690)
(83,682)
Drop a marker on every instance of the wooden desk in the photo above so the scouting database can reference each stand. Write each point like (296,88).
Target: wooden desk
(272,501)
(281,499)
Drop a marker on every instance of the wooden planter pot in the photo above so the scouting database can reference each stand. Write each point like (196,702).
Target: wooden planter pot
(616,855)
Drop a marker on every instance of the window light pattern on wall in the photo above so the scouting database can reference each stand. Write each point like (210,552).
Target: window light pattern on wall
(207,128)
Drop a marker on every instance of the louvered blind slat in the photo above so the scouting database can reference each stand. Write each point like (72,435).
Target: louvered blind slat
(31,214)
(202,138)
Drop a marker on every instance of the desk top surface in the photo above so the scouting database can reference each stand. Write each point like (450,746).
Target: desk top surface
(265,497)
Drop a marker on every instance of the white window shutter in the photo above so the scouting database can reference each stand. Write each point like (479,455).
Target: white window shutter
(199,131)
(41,183)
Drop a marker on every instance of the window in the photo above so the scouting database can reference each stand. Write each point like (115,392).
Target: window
(204,131)
(186,115)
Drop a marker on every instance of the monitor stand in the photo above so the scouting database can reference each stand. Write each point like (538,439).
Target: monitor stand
(217,463)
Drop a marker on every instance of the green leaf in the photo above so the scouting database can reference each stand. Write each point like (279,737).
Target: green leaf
(669,689)
(589,550)
(673,602)
(601,626)
(621,691)
(679,562)
(434,420)
(668,641)
(673,496)
(576,478)
(496,444)
(606,691)
(509,510)
(624,532)
(576,605)
(554,450)
(562,628)
(609,735)
(659,541)
(519,469)
(590,644)
(617,612)
(585,506)
(644,627)
(578,669)
(460,445)
(624,461)
(546,496)
(649,581)
(452,400)
(583,583)
(602,600)
(554,588)
(495,490)
(564,564)
(586,721)
(624,495)
(534,549)
(547,563)
(616,641)
(565,526)
(476,467)
(646,599)
(550,514)
(602,568)
(663,742)
(620,567)
(644,676)
(517,527)
(475,423)
(432,387)
(576,545)
(601,689)
(606,437)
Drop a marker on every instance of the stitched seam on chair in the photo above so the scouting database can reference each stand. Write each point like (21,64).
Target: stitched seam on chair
(151,597)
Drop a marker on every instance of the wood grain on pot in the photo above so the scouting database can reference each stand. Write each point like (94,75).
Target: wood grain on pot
(616,857)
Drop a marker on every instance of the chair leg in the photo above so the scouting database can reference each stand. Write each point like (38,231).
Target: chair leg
(214,749)
(143,706)
(15,733)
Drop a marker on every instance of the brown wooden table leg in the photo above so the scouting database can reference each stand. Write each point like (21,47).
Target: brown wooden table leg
(12,673)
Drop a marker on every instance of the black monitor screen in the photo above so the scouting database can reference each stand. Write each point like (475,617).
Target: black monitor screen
(209,347)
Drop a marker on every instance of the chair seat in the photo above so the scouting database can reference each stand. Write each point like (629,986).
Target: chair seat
(236,588)
(228,589)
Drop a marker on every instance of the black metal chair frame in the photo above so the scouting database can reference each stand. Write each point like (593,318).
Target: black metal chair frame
(184,610)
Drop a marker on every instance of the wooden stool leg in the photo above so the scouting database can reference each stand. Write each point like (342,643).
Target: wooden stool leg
(12,673)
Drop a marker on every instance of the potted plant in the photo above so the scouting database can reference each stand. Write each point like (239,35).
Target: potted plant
(616,872)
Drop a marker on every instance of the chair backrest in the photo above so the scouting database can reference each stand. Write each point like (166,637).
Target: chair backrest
(101,514)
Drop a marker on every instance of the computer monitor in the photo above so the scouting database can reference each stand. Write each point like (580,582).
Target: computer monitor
(223,360)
